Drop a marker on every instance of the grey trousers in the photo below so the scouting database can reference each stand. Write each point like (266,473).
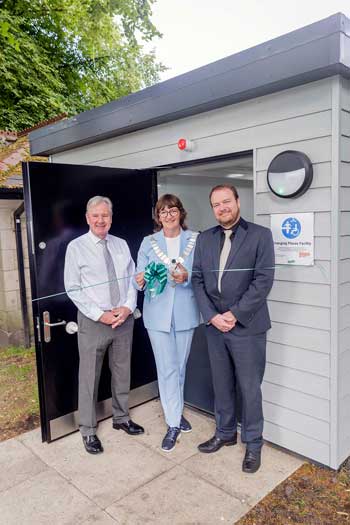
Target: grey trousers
(94,339)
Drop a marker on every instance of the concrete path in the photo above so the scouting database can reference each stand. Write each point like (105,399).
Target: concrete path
(133,482)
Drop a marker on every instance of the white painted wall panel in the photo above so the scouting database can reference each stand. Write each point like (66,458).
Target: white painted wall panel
(302,337)
(322,248)
(297,401)
(318,150)
(344,295)
(321,179)
(311,427)
(298,442)
(344,340)
(285,132)
(344,387)
(344,271)
(344,447)
(298,358)
(344,365)
(344,247)
(344,174)
(301,293)
(300,315)
(344,94)
(344,201)
(318,273)
(345,123)
(345,149)
(344,317)
(316,386)
(318,199)
(345,223)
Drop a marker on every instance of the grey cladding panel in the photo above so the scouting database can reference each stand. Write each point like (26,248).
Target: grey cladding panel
(297,401)
(298,442)
(302,337)
(298,358)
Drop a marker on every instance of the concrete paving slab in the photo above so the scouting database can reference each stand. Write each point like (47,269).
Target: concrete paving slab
(17,464)
(49,452)
(108,477)
(100,518)
(45,498)
(177,497)
(202,427)
(146,411)
(224,470)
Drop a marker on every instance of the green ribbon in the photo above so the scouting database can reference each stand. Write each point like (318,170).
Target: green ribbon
(156,277)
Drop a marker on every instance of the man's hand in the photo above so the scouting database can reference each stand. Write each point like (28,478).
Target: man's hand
(120,315)
(140,279)
(229,317)
(180,274)
(222,324)
(107,318)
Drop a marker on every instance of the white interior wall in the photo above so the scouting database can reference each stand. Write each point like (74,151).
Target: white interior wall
(194,192)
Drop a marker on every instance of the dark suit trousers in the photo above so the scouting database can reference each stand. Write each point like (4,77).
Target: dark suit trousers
(238,359)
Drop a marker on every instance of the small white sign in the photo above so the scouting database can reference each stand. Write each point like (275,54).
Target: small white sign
(293,236)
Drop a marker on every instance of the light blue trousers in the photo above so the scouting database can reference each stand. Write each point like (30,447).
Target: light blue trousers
(171,351)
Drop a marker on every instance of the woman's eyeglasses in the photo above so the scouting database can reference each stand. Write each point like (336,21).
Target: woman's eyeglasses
(164,213)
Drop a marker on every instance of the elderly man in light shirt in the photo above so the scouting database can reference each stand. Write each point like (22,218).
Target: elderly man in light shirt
(97,276)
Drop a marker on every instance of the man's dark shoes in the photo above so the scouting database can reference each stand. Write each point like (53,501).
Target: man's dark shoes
(92,444)
(185,426)
(252,461)
(215,443)
(170,438)
(129,427)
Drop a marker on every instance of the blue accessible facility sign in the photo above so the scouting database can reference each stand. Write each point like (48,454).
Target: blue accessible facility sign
(293,236)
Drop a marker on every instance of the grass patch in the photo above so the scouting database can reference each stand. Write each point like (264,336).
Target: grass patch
(19,403)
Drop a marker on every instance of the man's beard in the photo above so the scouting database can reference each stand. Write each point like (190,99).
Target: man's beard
(229,222)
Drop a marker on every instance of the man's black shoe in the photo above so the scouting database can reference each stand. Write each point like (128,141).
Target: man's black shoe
(215,443)
(129,427)
(252,461)
(92,444)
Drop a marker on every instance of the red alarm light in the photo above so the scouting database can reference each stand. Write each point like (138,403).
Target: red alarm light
(185,144)
(181,143)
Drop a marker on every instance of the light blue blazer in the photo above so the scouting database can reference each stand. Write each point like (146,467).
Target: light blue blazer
(175,303)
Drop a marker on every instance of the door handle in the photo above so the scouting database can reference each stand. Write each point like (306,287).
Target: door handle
(48,326)
(61,323)
(71,328)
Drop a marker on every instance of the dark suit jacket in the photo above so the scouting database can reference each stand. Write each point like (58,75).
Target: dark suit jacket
(243,292)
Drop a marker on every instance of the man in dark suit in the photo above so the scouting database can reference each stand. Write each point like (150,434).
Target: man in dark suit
(232,300)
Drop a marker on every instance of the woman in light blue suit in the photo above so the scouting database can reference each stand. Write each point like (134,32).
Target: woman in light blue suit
(171,316)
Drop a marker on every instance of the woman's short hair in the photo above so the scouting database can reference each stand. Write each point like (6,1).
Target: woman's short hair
(172,201)
(98,199)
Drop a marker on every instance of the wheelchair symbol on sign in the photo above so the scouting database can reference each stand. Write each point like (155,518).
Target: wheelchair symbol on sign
(291,228)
